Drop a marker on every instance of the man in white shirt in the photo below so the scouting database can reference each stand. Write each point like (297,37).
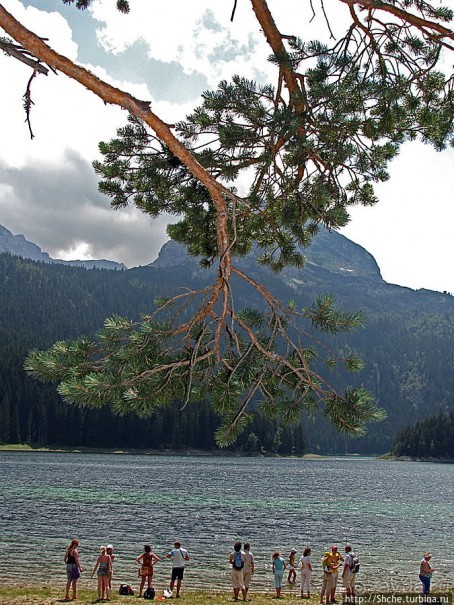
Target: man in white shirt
(348,577)
(248,568)
(179,556)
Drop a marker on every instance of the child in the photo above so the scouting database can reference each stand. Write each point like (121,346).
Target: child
(278,570)
(103,569)
(109,551)
(291,567)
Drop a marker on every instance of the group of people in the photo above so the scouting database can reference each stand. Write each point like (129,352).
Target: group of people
(242,562)
(104,566)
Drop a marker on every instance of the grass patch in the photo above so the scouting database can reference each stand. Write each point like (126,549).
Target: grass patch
(45,595)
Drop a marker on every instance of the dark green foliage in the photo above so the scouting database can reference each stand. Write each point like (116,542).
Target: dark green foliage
(303,151)
(122,5)
(407,344)
(39,301)
(430,438)
(134,367)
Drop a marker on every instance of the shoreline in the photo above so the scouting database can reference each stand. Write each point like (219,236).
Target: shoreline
(25,448)
(49,595)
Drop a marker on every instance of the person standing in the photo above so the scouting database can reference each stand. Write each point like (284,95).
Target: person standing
(237,559)
(73,568)
(425,573)
(291,567)
(248,568)
(179,556)
(337,559)
(348,577)
(146,560)
(109,551)
(279,566)
(327,583)
(305,565)
(102,568)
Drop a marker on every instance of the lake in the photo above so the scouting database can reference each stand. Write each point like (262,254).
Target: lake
(391,512)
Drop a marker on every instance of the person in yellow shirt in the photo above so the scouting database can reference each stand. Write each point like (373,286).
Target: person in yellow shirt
(328,576)
(337,559)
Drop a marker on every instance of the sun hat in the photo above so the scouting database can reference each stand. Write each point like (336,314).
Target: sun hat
(110,546)
(293,550)
(333,547)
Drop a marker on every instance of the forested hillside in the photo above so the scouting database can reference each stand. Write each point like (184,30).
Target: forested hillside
(407,346)
(42,303)
(430,438)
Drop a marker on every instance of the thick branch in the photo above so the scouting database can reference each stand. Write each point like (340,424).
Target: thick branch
(274,38)
(422,24)
(137,108)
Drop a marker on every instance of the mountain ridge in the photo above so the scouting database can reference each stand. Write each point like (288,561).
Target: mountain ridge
(19,245)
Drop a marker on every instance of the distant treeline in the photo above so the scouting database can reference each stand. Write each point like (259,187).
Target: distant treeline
(430,438)
(408,355)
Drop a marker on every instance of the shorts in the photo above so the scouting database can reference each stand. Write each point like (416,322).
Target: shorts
(177,573)
(328,582)
(147,570)
(348,580)
(247,576)
(103,573)
(69,569)
(237,578)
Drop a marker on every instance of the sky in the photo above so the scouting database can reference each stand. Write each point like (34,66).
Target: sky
(170,53)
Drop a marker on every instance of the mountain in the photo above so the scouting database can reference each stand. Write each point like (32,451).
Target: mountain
(17,245)
(333,264)
(407,345)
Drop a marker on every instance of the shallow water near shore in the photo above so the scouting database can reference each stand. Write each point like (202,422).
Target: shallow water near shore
(391,512)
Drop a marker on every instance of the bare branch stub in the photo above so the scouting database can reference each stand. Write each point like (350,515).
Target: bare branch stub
(21,54)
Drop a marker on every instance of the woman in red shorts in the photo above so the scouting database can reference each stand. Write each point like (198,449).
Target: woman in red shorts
(147,559)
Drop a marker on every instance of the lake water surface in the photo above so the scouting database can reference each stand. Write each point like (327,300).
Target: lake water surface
(391,512)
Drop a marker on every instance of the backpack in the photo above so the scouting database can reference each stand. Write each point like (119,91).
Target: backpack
(354,563)
(238,562)
(125,589)
(149,593)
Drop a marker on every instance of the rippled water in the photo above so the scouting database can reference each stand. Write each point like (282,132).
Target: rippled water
(391,512)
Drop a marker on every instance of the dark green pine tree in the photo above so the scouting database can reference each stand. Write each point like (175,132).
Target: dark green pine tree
(308,146)
(430,438)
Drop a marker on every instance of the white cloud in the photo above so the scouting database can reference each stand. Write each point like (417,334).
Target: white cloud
(51,26)
(53,199)
(409,232)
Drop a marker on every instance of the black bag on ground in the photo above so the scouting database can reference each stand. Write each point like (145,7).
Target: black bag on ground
(149,593)
(125,589)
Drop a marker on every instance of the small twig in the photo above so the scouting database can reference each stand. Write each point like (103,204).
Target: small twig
(332,36)
(28,102)
(233,11)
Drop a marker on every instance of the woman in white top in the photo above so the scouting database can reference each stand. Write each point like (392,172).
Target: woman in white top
(305,565)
